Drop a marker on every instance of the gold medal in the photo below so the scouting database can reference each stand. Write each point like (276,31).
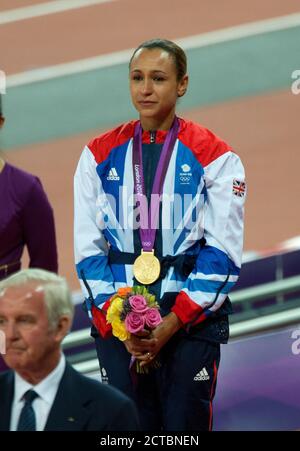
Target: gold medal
(146,268)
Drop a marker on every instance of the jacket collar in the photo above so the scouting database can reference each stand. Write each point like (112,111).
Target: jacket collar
(70,409)
(7,384)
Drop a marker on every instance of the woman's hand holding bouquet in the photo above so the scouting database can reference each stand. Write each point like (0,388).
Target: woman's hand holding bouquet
(133,314)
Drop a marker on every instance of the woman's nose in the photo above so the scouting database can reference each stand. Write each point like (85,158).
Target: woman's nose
(147,86)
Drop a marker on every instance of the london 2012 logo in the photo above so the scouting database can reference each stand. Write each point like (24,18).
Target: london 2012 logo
(185,175)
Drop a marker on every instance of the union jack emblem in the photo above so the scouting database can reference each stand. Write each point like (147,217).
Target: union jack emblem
(239,188)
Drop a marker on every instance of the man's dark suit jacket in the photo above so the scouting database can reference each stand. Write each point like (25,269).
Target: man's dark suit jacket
(81,404)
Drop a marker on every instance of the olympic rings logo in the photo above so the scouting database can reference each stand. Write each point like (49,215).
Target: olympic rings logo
(184,179)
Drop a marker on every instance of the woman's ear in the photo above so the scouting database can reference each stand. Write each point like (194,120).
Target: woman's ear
(182,86)
(2,120)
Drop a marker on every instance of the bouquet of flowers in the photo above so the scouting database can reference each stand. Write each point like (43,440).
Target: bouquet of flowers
(132,310)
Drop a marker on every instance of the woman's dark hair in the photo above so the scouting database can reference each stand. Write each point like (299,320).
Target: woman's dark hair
(178,55)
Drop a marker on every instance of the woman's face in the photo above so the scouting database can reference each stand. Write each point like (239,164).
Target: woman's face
(154,86)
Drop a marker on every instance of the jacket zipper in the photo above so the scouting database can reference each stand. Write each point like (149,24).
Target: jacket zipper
(152,136)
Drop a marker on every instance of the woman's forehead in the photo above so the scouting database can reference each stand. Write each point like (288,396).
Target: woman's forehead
(154,58)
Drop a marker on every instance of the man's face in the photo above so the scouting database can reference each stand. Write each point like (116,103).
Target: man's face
(30,342)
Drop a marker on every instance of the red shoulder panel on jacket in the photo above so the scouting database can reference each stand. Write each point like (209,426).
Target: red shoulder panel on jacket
(205,145)
(102,145)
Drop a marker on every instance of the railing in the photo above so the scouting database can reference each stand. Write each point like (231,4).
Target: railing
(279,287)
(287,317)
(255,319)
(263,324)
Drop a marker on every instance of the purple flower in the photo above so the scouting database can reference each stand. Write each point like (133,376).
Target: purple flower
(138,303)
(152,318)
(134,322)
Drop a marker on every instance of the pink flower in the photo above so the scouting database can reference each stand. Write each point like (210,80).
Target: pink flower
(152,318)
(134,322)
(138,303)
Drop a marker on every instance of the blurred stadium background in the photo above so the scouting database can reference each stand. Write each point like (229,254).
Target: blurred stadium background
(66,64)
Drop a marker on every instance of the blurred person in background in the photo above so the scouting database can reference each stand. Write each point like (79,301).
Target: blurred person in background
(200,254)
(26,219)
(42,391)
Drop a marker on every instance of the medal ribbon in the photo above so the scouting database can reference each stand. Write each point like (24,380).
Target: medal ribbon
(149,218)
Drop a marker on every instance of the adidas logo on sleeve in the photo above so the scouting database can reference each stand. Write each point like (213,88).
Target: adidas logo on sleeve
(113,175)
(202,375)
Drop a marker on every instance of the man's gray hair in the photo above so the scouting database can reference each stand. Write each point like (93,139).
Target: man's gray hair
(57,294)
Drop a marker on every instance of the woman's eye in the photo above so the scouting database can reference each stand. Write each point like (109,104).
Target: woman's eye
(137,77)
(158,79)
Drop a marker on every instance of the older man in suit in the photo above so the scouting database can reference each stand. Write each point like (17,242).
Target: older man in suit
(42,391)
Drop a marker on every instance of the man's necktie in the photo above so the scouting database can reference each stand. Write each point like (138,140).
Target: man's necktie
(27,415)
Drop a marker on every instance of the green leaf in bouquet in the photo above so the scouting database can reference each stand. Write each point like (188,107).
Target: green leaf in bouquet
(151,300)
(139,290)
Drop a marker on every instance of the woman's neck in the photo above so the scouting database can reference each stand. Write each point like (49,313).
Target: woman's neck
(151,124)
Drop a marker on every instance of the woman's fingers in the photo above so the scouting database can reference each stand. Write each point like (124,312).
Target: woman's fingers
(143,333)
(137,354)
(146,358)
(139,346)
(142,345)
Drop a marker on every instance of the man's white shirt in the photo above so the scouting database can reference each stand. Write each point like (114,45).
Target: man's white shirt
(46,389)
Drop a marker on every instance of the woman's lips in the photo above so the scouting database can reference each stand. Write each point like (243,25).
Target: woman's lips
(146,103)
